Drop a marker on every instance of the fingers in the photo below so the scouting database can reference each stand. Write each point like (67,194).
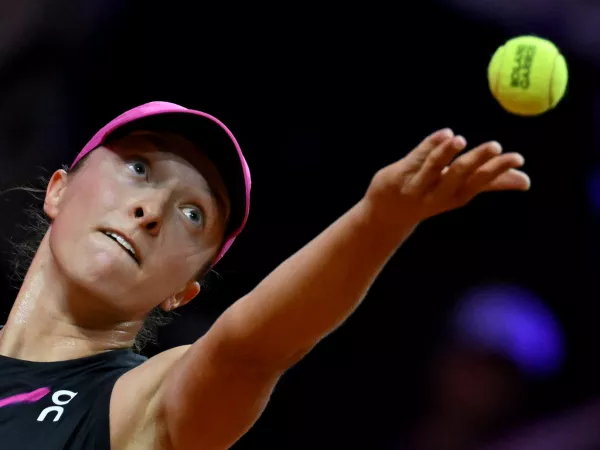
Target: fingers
(465,166)
(485,168)
(497,174)
(511,180)
(422,151)
(437,160)
(488,172)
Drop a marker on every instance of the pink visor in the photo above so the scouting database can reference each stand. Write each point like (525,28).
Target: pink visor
(209,133)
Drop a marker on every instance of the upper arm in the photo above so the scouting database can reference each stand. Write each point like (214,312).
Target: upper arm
(212,395)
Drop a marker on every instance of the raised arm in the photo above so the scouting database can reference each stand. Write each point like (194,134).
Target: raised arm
(219,387)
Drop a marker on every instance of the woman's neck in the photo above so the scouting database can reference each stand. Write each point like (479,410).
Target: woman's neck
(46,324)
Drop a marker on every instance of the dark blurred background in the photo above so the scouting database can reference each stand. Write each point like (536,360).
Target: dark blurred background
(482,331)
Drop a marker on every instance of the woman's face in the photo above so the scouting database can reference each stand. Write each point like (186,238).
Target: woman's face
(166,203)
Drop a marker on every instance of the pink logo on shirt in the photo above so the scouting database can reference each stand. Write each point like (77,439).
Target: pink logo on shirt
(28,397)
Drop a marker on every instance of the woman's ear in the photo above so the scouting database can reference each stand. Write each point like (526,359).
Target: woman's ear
(186,295)
(55,192)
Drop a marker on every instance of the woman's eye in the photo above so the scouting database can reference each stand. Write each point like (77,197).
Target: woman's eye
(138,167)
(193,214)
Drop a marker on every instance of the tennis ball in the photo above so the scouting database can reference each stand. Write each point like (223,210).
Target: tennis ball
(528,75)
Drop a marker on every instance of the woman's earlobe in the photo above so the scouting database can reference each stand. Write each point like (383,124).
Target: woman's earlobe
(188,293)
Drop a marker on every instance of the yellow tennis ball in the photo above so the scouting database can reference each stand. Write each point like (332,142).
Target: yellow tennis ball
(528,75)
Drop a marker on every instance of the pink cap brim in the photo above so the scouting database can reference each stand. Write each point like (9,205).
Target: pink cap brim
(160,108)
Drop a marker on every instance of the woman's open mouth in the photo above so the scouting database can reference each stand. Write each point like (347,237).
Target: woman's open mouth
(124,243)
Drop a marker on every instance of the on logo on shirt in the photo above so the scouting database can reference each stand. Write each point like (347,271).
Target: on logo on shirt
(58,405)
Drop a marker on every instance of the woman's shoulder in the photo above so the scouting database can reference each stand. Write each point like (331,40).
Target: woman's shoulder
(134,405)
(148,373)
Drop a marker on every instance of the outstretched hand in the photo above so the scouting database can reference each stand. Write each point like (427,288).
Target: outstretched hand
(433,179)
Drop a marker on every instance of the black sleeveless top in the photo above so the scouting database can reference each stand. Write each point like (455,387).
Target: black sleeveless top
(61,405)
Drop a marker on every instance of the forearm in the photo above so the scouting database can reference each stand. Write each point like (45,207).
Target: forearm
(316,289)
